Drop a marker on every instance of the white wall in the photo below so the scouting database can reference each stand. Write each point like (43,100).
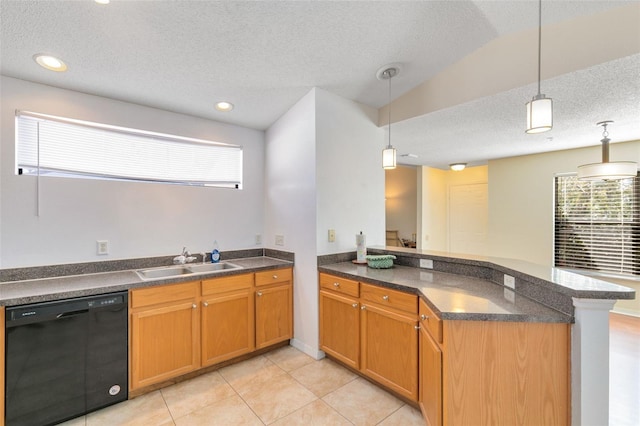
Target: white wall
(521,198)
(290,210)
(138,219)
(321,175)
(401,203)
(350,177)
(432,218)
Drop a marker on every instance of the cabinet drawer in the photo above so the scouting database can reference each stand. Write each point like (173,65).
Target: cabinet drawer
(339,285)
(225,284)
(164,294)
(430,321)
(274,276)
(391,298)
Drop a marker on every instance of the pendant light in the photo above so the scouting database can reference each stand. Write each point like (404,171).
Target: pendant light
(388,153)
(540,109)
(607,170)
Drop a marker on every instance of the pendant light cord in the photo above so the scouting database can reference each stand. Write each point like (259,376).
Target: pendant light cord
(388,72)
(539,41)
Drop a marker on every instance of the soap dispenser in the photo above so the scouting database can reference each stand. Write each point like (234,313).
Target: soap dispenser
(215,254)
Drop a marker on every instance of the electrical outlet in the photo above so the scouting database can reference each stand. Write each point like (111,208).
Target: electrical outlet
(332,235)
(510,295)
(102,247)
(509,281)
(426,263)
(258,239)
(279,240)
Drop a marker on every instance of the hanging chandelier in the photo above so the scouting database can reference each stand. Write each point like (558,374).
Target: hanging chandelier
(607,170)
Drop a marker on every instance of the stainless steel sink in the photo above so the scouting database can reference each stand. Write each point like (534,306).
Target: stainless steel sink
(181,270)
(212,267)
(164,272)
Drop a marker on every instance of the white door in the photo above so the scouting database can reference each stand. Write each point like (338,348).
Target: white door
(468,218)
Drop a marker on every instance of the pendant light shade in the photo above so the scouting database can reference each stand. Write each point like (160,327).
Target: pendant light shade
(607,170)
(616,170)
(389,152)
(389,157)
(539,114)
(540,109)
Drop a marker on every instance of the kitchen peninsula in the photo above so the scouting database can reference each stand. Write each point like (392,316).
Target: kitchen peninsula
(498,354)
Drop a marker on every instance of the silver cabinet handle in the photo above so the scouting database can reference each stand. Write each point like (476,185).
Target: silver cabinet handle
(194,306)
(417,327)
(362,308)
(275,277)
(259,293)
(423,317)
(336,285)
(385,297)
(355,305)
(206,304)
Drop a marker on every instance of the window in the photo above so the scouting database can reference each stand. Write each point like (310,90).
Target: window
(54,146)
(597,225)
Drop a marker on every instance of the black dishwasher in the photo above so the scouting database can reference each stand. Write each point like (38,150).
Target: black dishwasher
(65,358)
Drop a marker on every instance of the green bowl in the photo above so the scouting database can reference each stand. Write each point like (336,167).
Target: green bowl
(382,261)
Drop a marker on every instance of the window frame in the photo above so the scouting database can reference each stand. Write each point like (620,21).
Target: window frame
(628,266)
(195,172)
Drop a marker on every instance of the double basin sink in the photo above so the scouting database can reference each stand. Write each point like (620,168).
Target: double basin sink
(182,270)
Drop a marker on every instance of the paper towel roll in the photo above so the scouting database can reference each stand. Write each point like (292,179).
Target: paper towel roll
(361,247)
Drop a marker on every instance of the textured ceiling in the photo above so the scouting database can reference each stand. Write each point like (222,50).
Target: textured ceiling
(264,56)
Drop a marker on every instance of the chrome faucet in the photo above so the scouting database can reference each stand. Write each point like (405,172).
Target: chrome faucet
(185,257)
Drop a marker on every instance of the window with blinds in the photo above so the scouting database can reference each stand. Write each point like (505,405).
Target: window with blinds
(597,225)
(55,146)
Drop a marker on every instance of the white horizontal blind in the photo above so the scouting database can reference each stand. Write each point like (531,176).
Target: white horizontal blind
(597,225)
(63,147)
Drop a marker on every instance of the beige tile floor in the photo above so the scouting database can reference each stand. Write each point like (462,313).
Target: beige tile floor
(282,387)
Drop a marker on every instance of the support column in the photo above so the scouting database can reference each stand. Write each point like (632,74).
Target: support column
(590,362)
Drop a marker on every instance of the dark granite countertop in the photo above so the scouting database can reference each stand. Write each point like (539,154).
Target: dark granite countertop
(64,287)
(452,296)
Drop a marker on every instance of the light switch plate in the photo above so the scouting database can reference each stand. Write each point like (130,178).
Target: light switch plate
(279,240)
(332,235)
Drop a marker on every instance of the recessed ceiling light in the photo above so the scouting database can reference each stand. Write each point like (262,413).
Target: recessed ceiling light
(224,106)
(50,62)
(102,1)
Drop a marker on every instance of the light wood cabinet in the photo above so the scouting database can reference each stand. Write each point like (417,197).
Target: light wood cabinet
(274,306)
(165,333)
(493,372)
(340,327)
(175,329)
(430,366)
(340,319)
(2,321)
(227,318)
(274,314)
(512,373)
(389,349)
(372,329)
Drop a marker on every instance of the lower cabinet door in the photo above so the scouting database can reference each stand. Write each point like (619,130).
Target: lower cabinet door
(274,316)
(165,343)
(389,352)
(340,327)
(430,379)
(227,326)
